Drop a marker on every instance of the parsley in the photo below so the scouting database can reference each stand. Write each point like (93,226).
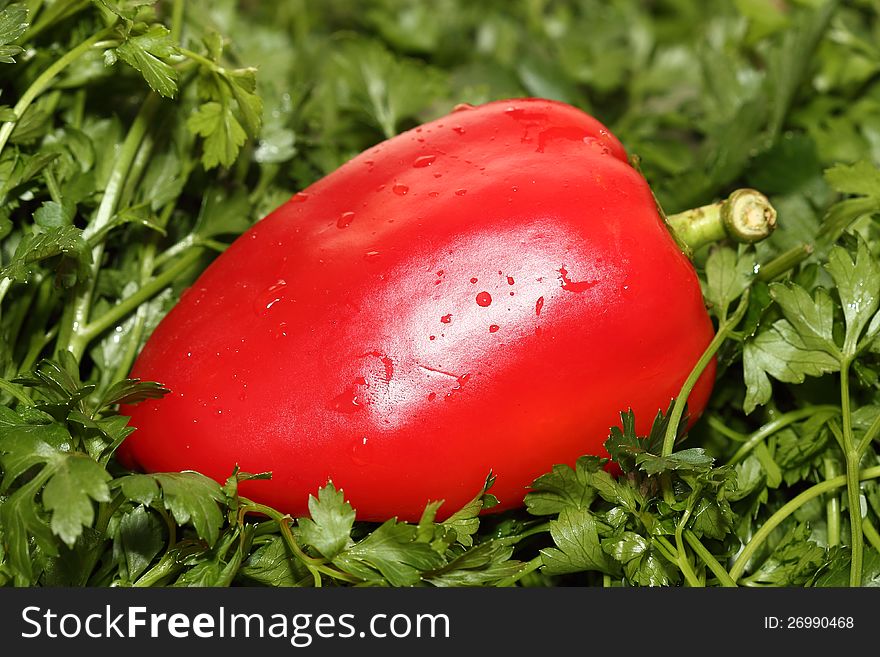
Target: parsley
(139,138)
(13,23)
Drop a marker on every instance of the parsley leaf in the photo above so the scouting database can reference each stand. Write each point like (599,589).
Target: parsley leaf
(77,480)
(465,522)
(137,541)
(222,132)
(858,285)
(329,528)
(793,561)
(565,487)
(189,496)
(72,482)
(861,183)
(631,451)
(65,241)
(271,565)
(390,552)
(576,534)
(13,23)
(146,52)
(727,277)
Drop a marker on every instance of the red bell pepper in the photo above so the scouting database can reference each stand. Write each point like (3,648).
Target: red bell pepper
(485,292)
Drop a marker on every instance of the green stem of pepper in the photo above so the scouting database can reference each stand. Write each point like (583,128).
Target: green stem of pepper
(745,216)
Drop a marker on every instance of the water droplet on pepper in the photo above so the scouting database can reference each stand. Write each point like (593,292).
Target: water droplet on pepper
(424,161)
(345,220)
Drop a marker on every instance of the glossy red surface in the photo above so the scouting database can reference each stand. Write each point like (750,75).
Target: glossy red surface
(483,293)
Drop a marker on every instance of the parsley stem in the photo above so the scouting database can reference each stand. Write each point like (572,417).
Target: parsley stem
(177,14)
(90,558)
(869,436)
(707,557)
(45,79)
(147,267)
(52,185)
(684,564)
(851,458)
(5,284)
(166,567)
(832,506)
(681,400)
(211,65)
(777,425)
(38,342)
(665,549)
(528,567)
(725,328)
(172,528)
(268,173)
(176,249)
(31,311)
(531,531)
(16,392)
(52,15)
(73,336)
(133,344)
(784,263)
(742,561)
(718,425)
(315,566)
(143,294)
(871,534)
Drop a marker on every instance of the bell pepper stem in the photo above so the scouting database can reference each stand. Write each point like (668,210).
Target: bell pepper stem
(745,216)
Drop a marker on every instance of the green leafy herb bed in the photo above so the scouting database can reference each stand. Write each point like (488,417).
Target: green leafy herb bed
(137,139)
